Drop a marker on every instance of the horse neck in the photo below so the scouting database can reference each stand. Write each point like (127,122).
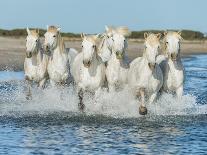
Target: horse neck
(60,48)
(145,57)
(37,58)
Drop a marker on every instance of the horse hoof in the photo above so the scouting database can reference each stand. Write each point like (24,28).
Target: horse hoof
(29,97)
(81,107)
(142,110)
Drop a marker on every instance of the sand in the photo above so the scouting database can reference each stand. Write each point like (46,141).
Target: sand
(12,50)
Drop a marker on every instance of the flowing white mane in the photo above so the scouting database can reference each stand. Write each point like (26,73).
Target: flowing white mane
(60,40)
(123,30)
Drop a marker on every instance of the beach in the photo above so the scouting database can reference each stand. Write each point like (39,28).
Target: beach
(12,50)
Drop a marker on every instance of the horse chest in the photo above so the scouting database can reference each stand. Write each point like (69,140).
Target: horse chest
(58,68)
(33,72)
(91,79)
(174,77)
(115,73)
(149,80)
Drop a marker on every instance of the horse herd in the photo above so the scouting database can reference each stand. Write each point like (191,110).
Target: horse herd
(103,62)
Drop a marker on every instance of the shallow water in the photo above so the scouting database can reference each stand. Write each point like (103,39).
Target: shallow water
(51,124)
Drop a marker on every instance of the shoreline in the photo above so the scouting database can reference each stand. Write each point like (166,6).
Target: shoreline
(12,50)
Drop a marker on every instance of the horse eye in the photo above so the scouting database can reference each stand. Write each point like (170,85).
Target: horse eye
(37,40)
(124,40)
(54,36)
(82,45)
(166,42)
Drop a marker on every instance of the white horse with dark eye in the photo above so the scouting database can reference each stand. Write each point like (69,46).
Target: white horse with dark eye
(172,67)
(59,57)
(112,52)
(145,76)
(88,69)
(35,64)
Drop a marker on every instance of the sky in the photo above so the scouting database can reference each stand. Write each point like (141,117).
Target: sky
(90,16)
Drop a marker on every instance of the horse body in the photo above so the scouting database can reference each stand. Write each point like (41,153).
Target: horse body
(36,61)
(58,65)
(91,78)
(36,67)
(142,77)
(116,73)
(145,77)
(113,53)
(172,67)
(88,69)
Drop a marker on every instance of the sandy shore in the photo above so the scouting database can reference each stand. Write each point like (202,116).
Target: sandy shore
(12,50)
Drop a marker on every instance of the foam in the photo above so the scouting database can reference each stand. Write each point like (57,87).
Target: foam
(117,104)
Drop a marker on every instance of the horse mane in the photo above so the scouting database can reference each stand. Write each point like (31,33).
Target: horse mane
(102,40)
(169,33)
(60,40)
(34,33)
(123,30)
(52,29)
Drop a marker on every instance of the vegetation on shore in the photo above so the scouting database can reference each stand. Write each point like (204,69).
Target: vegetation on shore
(186,34)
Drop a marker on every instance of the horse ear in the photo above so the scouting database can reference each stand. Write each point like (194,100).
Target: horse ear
(58,29)
(179,32)
(28,31)
(145,35)
(83,35)
(98,35)
(165,33)
(106,28)
(159,35)
(38,31)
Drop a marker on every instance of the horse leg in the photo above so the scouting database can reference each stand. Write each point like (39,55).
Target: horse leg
(179,92)
(81,105)
(111,88)
(29,94)
(152,98)
(142,108)
(42,83)
(53,84)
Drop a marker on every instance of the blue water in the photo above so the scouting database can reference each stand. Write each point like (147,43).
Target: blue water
(51,123)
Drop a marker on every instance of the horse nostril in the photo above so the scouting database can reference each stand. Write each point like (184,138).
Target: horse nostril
(152,65)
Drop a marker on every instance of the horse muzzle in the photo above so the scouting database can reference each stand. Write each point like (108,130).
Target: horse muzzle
(152,66)
(119,55)
(173,56)
(46,48)
(87,64)
(29,54)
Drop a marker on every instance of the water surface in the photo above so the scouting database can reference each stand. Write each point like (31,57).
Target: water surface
(51,123)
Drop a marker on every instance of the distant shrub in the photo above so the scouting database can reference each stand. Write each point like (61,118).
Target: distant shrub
(23,32)
(186,34)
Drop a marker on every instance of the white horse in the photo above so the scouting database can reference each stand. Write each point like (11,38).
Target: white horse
(59,57)
(145,76)
(88,69)
(35,64)
(172,67)
(112,52)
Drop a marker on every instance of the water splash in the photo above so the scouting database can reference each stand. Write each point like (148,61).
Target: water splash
(117,104)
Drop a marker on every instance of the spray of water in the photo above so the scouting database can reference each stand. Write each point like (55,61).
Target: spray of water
(120,104)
